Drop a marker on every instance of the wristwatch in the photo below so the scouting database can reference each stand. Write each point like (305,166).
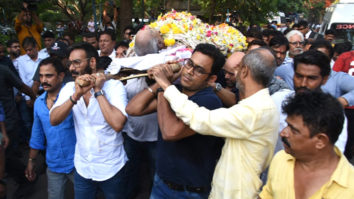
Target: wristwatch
(218,87)
(98,93)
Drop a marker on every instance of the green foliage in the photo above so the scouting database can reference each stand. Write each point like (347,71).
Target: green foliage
(290,6)
(4,38)
(9,9)
(255,11)
(152,8)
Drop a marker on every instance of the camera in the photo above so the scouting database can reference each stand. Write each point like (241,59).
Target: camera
(32,5)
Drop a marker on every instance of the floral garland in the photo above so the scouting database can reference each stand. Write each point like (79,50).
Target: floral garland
(186,29)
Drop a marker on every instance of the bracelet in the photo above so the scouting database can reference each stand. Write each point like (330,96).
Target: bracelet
(151,91)
(72,100)
(31,159)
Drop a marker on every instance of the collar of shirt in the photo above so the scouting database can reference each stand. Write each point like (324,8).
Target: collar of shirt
(308,34)
(340,174)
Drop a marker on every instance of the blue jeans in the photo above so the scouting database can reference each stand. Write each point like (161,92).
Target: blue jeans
(56,183)
(161,191)
(27,120)
(112,188)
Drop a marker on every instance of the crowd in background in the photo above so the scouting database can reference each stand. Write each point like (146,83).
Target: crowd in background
(140,140)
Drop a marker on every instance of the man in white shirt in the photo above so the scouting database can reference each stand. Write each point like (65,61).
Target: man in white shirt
(106,43)
(99,116)
(312,70)
(27,65)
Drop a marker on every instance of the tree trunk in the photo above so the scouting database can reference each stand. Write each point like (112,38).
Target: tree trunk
(212,11)
(125,14)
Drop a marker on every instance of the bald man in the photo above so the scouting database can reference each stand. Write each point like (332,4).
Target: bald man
(228,94)
(148,41)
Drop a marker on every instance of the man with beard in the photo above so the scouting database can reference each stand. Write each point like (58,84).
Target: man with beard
(58,141)
(310,166)
(91,38)
(312,70)
(13,48)
(185,160)
(249,127)
(296,47)
(6,61)
(99,115)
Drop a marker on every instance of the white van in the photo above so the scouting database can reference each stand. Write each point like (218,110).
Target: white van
(340,17)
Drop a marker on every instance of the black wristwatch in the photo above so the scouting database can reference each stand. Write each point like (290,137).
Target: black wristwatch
(159,90)
(98,93)
(218,87)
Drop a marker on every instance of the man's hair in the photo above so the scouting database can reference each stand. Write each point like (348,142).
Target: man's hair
(296,25)
(122,43)
(256,42)
(342,47)
(129,28)
(71,35)
(150,47)
(11,41)
(48,34)
(103,62)
(278,41)
(90,35)
(261,66)
(29,41)
(294,32)
(253,32)
(320,112)
(55,62)
(303,23)
(271,32)
(330,32)
(322,43)
(108,32)
(314,57)
(88,48)
(213,52)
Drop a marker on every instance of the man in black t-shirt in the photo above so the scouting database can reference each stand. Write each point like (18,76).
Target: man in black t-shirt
(185,160)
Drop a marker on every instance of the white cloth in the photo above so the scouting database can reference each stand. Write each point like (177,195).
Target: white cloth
(308,34)
(279,98)
(99,151)
(43,53)
(150,60)
(140,128)
(112,55)
(27,68)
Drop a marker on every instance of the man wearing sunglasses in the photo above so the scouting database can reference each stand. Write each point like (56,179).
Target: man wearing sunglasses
(185,160)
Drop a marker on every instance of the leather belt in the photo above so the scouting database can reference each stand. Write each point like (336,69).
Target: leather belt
(178,187)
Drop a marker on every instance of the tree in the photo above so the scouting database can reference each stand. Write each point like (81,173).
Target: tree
(255,11)
(125,14)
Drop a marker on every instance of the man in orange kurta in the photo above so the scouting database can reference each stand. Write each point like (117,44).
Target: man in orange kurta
(27,24)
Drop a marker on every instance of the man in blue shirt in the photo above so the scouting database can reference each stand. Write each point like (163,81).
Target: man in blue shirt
(185,159)
(58,141)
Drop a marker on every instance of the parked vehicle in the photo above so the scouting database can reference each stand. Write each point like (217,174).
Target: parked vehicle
(340,17)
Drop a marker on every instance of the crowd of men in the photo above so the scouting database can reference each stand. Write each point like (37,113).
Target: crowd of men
(268,122)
